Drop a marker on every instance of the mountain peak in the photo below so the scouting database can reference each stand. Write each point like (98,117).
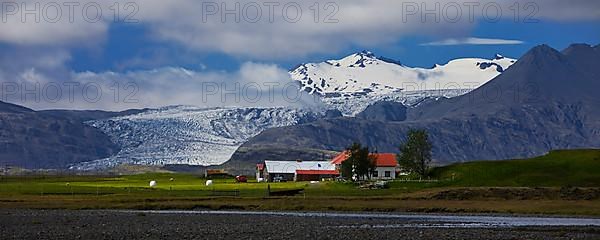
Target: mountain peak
(541,53)
(577,47)
(583,56)
(544,48)
(366,54)
(498,57)
(580,48)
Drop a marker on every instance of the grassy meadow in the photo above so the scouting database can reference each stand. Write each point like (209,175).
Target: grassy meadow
(562,182)
(557,169)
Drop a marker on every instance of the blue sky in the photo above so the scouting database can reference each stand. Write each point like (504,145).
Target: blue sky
(126,42)
(173,44)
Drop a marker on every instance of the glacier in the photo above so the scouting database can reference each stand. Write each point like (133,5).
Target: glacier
(188,134)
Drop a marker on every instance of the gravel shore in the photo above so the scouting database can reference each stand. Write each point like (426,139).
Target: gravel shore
(64,224)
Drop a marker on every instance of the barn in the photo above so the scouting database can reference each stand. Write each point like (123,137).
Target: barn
(315,175)
(295,170)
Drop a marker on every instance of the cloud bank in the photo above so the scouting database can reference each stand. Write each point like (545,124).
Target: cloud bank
(268,30)
(254,85)
(473,41)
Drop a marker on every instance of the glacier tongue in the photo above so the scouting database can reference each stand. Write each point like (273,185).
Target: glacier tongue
(190,135)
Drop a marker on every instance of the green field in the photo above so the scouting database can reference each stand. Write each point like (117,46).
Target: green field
(563,182)
(557,169)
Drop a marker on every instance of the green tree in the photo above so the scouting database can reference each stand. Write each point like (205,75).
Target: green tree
(359,162)
(415,153)
(347,169)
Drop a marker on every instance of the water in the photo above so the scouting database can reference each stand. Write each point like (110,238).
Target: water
(417,220)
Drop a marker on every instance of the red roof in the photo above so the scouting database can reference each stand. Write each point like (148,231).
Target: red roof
(260,166)
(317,172)
(386,159)
(383,159)
(337,160)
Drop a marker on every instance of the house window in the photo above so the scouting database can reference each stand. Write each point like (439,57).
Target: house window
(375,174)
(388,174)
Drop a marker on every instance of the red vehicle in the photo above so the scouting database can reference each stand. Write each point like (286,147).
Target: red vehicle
(241,179)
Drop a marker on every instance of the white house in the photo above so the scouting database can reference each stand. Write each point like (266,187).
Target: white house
(386,165)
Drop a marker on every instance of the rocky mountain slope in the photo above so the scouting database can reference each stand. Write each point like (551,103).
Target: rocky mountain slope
(547,100)
(384,112)
(43,139)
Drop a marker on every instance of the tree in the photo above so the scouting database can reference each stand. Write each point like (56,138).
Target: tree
(415,153)
(359,162)
(347,169)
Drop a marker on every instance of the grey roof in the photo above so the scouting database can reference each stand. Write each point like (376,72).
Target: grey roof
(292,166)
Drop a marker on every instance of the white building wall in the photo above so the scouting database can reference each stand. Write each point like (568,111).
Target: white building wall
(381,173)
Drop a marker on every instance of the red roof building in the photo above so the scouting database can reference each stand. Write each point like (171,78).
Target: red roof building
(260,166)
(385,164)
(382,159)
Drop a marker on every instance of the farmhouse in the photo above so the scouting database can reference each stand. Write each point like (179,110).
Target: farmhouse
(385,163)
(295,170)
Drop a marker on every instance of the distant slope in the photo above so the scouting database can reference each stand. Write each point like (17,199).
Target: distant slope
(89,115)
(384,112)
(50,139)
(556,169)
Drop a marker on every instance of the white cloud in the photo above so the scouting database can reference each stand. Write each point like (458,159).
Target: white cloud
(253,85)
(473,41)
(53,23)
(363,23)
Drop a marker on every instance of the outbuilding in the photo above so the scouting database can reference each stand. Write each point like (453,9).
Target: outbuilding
(315,175)
(296,170)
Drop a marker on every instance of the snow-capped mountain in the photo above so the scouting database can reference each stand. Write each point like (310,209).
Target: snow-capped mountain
(368,74)
(353,83)
(201,136)
(189,135)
